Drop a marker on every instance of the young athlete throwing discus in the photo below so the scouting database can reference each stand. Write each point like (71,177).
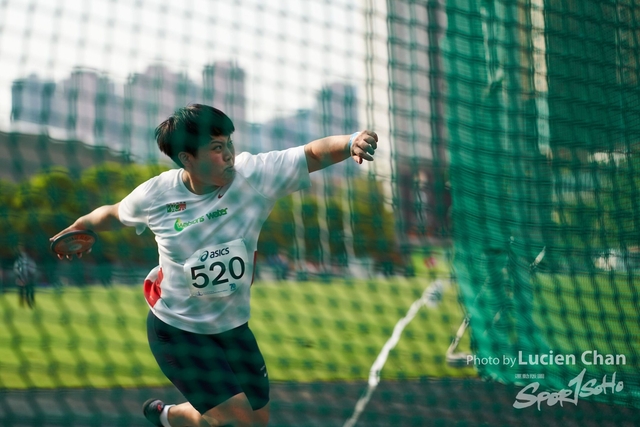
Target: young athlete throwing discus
(207,216)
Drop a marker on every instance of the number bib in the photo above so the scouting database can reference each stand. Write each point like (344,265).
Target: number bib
(217,271)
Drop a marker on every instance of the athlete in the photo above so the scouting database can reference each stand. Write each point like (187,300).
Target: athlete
(207,216)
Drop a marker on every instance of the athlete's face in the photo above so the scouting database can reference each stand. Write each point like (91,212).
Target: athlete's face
(213,164)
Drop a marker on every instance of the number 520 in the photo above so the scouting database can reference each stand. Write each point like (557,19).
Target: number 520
(236,269)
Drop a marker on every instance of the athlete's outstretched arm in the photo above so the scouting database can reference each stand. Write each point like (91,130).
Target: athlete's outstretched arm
(334,149)
(104,218)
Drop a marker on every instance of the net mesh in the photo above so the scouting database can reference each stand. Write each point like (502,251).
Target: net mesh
(543,122)
(485,261)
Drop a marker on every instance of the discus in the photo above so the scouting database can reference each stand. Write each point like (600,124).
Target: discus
(74,242)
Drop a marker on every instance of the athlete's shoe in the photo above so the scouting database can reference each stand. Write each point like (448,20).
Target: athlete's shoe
(152,409)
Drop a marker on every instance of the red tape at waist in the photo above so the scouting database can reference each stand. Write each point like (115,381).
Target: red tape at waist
(152,289)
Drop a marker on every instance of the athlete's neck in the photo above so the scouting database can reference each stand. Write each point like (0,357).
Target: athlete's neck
(196,186)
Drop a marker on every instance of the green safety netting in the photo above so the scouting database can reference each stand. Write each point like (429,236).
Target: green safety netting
(480,272)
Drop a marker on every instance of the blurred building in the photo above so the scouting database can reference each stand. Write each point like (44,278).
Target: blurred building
(88,106)
(223,87)
(335,112)
(416,86)
(285,132)
(149,98)
(337,109)
(31,100)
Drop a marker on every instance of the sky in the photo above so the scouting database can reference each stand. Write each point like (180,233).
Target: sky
(288,48)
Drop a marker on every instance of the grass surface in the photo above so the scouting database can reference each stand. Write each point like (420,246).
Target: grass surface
(587,313)
(308,331)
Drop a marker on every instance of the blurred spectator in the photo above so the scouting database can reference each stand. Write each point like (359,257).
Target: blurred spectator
(26,273)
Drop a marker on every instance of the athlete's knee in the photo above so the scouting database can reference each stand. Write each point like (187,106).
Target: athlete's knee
(237,412)
(232,422)
(261,416)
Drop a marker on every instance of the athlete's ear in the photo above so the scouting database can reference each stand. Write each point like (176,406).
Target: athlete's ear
(185,158)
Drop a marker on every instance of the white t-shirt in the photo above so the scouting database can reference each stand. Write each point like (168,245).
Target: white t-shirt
(207,243)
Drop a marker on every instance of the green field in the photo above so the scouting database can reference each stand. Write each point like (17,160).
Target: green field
(308,331)
(587,312)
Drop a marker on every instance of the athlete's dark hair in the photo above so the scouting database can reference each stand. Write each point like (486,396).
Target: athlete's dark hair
(191,127)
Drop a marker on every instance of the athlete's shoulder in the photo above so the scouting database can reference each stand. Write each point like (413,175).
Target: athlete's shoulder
(247,164)
(275,173)
(134,209)
(170,175)
(163,181)
(156,186)
(242,159)
(269,161)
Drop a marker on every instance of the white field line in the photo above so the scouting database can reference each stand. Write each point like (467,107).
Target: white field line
(431,297)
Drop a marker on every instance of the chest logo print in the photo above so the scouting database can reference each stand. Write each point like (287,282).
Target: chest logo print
(176,207)
(180,225)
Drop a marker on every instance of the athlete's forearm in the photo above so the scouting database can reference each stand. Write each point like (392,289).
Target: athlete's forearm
(104,218)
(326,151)
(330,150)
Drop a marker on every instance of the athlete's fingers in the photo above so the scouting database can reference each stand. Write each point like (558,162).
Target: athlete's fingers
(79,254)
(367,141)
(73,227)
(363,152)
(363,149)
(366,156)
(363,146)
(66,230)
(367,146)
(371,137)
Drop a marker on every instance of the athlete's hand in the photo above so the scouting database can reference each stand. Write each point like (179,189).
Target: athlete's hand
(364,146)
(104,218)
(78,225)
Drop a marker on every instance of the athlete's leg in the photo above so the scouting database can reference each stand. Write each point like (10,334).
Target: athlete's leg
(247,362)
(197,366)
(223,376)
(233,412)
(261,416)
(237,412)
(185,415)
